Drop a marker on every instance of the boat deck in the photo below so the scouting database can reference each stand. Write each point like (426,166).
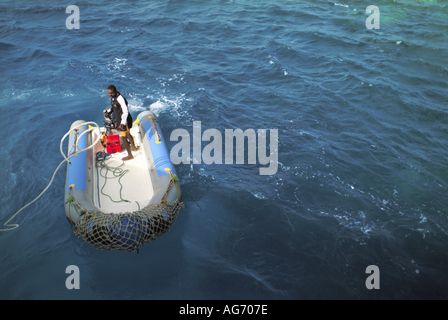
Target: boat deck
(130,178)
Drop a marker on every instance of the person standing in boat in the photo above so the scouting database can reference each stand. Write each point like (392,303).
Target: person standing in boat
(122,119)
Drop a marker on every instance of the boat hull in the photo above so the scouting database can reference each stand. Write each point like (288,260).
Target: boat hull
(121,205)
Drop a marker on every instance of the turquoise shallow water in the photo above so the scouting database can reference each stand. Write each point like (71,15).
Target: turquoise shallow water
(362,148)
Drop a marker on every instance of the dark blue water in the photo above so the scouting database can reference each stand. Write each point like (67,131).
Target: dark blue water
(362,118)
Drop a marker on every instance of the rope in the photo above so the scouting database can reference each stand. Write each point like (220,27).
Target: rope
(117,172)
(169,187)
(173,181)
(66,159)
(157,130)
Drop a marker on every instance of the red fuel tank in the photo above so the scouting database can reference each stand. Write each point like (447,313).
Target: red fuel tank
(113,144)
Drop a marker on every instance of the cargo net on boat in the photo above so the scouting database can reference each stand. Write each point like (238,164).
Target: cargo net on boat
(125,231)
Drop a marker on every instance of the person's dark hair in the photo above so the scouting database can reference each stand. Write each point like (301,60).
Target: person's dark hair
(113,88)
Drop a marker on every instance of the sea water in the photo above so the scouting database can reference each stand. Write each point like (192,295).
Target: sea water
(362,120)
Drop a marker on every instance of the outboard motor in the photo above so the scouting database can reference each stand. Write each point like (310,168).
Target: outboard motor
(111,139)
(108,123)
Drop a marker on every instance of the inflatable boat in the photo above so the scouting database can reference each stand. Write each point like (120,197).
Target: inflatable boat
(115,204)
